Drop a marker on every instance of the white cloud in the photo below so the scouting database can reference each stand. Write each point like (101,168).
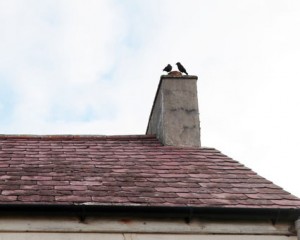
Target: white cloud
(55,54)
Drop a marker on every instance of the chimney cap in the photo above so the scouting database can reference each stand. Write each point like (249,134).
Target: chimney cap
(177,74)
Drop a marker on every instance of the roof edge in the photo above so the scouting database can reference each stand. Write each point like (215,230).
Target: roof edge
(82,211)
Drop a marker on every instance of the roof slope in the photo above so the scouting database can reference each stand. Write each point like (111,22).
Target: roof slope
(128,171)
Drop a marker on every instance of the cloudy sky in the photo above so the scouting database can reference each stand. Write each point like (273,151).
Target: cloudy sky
(92,67)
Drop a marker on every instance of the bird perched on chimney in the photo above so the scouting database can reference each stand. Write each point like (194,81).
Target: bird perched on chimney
(181,68)
(168,68)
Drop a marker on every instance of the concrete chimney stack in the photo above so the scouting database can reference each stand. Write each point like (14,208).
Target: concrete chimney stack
(174,116)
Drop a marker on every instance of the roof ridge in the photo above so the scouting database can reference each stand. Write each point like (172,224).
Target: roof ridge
(75,137)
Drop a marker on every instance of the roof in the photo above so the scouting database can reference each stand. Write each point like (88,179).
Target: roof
(128,171)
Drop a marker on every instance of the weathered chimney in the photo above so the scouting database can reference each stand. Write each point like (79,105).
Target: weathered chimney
(174,116)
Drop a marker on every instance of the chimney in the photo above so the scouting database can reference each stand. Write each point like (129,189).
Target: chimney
(174,117)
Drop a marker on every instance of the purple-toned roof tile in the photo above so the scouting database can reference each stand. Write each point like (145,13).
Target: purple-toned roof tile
(128,171)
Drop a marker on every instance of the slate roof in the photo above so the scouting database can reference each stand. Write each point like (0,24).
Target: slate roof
(128,171)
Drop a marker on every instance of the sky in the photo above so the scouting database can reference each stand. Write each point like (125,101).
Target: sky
(93,67)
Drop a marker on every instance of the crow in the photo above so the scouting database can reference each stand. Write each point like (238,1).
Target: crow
(181,68)
(168,68)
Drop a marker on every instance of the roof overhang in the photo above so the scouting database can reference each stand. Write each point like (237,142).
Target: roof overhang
(187,212)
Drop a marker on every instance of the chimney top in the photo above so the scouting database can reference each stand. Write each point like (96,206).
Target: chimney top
(174,117)
(173,74)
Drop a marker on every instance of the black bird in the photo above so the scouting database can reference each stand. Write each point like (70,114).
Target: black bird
(168,68)
(181,68)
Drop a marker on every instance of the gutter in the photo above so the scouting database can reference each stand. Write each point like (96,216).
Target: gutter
(82,211)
